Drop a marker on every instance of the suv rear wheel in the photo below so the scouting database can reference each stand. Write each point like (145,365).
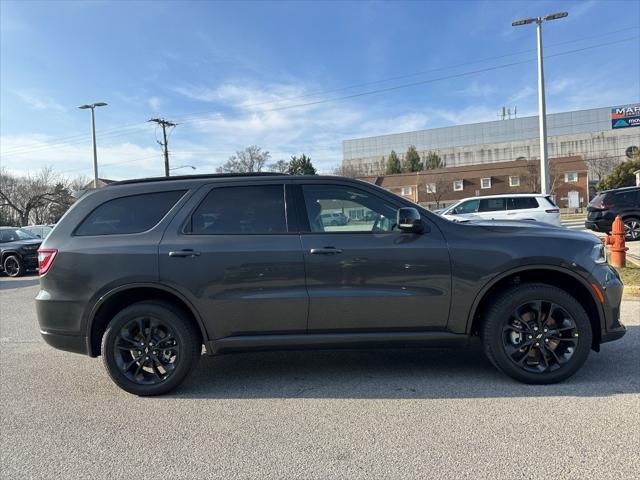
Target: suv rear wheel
(150,347)
(537,334)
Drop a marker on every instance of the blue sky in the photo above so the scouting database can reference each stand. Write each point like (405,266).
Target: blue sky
(235,74)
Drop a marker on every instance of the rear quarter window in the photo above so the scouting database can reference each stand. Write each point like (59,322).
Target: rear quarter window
(521,203)
(132,214)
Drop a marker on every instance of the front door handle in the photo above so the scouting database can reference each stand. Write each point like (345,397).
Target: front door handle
(184,253)
(325,251)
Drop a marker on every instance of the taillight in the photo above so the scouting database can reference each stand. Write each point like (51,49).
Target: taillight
(45,260)
(553,210)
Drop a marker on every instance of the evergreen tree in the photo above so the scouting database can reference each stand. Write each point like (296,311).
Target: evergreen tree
(433,160)
(622,175)
(412,161)
(393,164)
(301,166)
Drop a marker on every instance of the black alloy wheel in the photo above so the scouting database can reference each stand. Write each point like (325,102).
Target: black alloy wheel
(540,336)
(13,266)
(150,347)
(536,333)
(631,229)
(146,350)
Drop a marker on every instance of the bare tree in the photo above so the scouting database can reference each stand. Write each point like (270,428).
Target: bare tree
(251,159)
(600,165)
(38,198)
(281,166)
(441,187)
(349,171)
(532,178)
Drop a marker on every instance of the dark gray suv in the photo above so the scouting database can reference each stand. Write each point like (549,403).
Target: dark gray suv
(146,272)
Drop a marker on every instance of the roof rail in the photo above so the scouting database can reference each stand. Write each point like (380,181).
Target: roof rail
(194,177)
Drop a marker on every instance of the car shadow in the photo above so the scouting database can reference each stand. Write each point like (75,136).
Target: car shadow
(28,280)
(401,374)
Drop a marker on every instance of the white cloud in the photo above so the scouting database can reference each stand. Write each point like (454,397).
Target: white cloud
(38,101)
(476,89)
(23,153)
(522,94)
(155,103)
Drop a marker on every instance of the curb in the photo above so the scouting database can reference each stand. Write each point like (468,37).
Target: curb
(631,291)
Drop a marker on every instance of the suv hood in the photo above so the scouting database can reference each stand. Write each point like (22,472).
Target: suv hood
(22,243)
(531,227)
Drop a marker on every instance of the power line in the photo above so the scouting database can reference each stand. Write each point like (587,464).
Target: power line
(197,118)
(132,127)
(422,72)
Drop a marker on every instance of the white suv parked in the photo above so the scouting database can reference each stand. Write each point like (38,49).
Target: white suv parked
(505,207)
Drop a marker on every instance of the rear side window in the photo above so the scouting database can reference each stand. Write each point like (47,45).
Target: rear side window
(630,197)
(132,214)
(520,203)
(241,210)
(491,204)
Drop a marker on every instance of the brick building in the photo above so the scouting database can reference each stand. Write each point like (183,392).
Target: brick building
(441,187)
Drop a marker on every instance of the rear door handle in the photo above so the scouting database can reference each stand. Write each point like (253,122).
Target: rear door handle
(184,253)
(325,251)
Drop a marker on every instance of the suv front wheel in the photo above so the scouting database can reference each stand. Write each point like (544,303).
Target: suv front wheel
(631,229)
(150,347)
(537,334)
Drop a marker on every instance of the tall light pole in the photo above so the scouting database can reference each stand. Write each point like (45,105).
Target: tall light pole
(542,108)
(93,106)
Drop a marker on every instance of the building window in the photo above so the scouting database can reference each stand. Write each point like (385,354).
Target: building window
(570,177)
(514,181)
(431,188)
(485,182)
(406,191)
(458,185)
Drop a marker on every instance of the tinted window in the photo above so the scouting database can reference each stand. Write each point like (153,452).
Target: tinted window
(241,210)
(491,204)
(470,206)
(630,197)
(133,214)
(519,203)
(338,208)
(13,234)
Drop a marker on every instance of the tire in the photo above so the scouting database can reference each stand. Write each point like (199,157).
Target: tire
(532,347)
(158,343)
(13,266)
(632,229)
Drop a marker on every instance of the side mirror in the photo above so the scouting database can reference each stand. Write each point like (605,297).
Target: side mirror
(408,220)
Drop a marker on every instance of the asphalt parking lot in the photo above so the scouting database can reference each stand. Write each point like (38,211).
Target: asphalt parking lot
(328,414)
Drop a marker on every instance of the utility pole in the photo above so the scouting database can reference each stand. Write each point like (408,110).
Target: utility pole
(164,124)
(542,109)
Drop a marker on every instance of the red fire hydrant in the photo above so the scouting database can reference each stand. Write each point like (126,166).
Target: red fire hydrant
(615,242)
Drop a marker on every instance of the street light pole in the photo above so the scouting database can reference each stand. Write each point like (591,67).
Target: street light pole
(93,132)
(542,108)
(542,116)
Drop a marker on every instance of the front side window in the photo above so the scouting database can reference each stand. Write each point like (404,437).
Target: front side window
(492,204)
(132,214)
(514,181)
(485,182)
(340,208)
(571,177)
(470,206)
(250,209)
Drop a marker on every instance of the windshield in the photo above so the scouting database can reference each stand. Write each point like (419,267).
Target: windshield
(13,234)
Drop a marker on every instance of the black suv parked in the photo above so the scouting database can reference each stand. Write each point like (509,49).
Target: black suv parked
(608,204)
(145,272)
(18,251)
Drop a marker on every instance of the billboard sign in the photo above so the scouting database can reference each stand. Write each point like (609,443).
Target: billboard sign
(625,116)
